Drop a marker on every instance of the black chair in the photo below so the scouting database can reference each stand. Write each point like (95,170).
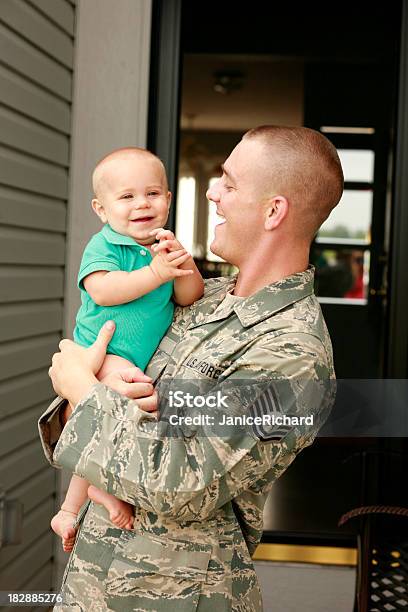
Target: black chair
(382,572)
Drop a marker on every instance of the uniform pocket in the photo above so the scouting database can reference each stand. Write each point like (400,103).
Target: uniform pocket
(149,574)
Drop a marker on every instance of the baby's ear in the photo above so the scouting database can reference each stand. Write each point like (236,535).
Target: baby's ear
(98,208)
(169,196)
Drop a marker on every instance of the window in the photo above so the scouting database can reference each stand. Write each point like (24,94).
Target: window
(342,248)
(351,219)
(185,218)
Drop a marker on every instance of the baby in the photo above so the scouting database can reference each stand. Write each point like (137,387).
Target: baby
(126,276)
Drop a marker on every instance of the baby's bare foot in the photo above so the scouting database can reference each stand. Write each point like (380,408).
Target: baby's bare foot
(120,512)
(62,525)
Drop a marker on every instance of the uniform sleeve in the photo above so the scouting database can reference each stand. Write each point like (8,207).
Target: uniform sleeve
(119,448)
(50,428)
(98,255)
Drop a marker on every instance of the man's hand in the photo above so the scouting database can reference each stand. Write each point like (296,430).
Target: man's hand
(74,368)
(132,383)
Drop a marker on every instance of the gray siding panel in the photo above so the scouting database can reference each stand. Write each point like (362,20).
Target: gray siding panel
(23,209)
(21,426)
(17,53)
(21,465)
(25,172)
(37,522)
(31,24)
(32,319)
(17,394)
(21,283)
(30,137)
(59,11)
(30,99)
(26,246)
(15,575)
(36,490)
(36,57)
(27,355)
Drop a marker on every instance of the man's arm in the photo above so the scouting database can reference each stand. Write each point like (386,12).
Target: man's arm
(188,289)
(131,382)
(119,448)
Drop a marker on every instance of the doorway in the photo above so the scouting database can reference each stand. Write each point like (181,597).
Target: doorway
(320,67)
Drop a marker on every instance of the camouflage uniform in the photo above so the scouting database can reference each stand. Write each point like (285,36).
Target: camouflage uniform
(198,499)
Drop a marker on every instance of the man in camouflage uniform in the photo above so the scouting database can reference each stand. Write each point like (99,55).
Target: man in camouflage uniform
(199,495)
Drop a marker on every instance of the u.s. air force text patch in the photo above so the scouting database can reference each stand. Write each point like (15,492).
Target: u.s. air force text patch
(206,368)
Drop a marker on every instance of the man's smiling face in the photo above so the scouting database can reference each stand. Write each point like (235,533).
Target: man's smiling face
(238,196)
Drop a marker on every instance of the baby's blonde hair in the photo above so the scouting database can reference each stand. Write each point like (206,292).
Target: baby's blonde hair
(122,153)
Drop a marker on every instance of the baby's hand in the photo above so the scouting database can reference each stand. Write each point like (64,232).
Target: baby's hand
(166,264)
(170,253)
(168,241)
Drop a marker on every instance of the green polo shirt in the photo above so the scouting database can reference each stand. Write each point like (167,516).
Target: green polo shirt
(140,324)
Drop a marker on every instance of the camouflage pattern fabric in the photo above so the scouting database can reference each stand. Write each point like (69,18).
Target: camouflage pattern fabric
(198,498)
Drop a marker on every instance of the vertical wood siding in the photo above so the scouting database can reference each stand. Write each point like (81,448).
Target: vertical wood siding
(36,64)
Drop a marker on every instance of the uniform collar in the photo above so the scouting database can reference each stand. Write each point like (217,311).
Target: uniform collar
(116,238)
(275,297)
(255,308)
(203,310)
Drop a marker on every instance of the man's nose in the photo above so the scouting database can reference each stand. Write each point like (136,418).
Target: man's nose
(213,192)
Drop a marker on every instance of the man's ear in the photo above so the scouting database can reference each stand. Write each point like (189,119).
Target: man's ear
(99,209)
(275,212)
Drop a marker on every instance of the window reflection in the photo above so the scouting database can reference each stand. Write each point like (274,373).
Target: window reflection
(342,273)
(357,164)
(185,218)
(351,219)
(333,129)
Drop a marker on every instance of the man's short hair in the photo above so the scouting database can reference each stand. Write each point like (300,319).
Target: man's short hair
(305,168)
(122,153)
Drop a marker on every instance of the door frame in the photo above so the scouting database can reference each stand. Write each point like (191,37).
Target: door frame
(164,90)
(397,345)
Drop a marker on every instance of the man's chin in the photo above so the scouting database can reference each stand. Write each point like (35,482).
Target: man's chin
(228,257)
(214,248)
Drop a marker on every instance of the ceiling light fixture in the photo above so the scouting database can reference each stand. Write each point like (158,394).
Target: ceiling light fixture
(227,82)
